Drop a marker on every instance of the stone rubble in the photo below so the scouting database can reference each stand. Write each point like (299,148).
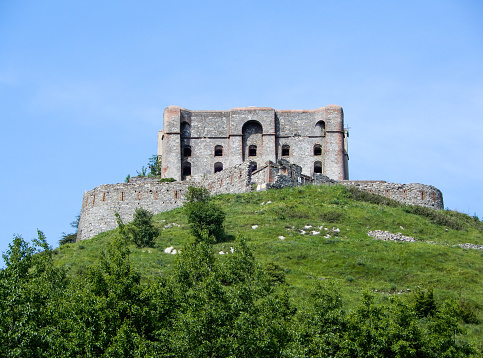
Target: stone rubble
(471,246)
(388,236)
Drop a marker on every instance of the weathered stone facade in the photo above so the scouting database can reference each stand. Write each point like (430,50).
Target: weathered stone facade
(194,144)
(411,194)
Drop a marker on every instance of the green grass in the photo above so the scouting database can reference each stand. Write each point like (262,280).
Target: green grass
(350,256)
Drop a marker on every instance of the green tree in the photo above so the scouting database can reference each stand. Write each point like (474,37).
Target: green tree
(28,285)
(154,165)
(142,229)
(203,214)
(70,238)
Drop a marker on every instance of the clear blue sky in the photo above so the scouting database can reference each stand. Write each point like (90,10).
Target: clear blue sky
(83,85)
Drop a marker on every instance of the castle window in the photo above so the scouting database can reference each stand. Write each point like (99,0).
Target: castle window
(285,150)
(318,167)
(317,149)
(252,151)
(186,169)
(187,151)
(218,151)
(254,167)
(320,128)
(218,167)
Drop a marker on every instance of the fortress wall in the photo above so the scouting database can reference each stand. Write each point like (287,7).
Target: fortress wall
(100,203)
(411,194)
(210,123)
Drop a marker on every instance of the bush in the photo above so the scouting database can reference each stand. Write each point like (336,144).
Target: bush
(204,217)
(142,230)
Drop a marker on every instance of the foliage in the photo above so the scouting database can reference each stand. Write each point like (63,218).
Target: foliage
(70,238)
(141,230)
(204,216)
(424,303)
(28,283)
(127,178)
(154,165)
(142,173)
(209,306)
(166,180)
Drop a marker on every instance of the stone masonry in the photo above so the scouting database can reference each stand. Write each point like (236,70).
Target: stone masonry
(194,144)
(237,151)
(100,204)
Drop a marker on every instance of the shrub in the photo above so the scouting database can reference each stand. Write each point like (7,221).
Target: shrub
(424,303)
(142,230)
(205,218)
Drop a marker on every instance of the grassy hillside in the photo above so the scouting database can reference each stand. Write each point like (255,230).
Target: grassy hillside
(320,232)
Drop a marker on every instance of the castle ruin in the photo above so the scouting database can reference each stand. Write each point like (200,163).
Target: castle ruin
(237,151)
(194,144)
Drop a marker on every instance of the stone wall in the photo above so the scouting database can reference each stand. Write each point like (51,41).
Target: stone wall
(411,194)
(100,204)
(270,130)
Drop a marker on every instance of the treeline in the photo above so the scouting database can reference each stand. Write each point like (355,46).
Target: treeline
(208,306)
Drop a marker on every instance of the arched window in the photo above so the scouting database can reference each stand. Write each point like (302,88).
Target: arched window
(317,149)
(218,151)
(320,128)
(252,151)
(186,169)
(218,167)
(318,167)
(252,137)
(187,151)
(285,150)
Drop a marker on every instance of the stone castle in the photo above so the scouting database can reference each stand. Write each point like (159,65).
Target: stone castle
(197,143)
(237,151)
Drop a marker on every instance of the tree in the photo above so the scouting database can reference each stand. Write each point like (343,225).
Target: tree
(154,165)
(70,238)
(142,228)
(28,285)
(203,215)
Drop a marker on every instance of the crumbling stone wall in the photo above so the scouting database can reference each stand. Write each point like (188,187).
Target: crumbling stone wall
(100,204)
(411,194)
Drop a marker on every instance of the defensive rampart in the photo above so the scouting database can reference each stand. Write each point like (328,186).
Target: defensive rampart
(100,204)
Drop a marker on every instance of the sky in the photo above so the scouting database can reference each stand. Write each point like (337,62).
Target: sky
(83,87)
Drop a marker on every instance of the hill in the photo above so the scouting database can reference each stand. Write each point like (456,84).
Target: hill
(315,233)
